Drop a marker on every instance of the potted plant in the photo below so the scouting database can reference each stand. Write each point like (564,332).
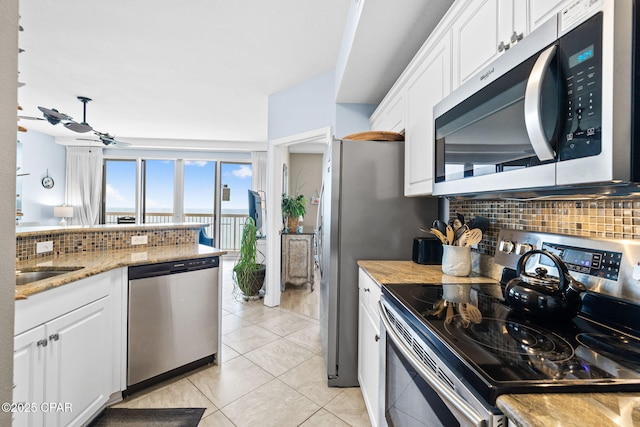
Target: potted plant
(248,275)
(293,207)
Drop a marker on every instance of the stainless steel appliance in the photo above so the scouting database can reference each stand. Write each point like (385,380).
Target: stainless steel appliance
(451,373)
(554,113)
(363,215)
(173,319)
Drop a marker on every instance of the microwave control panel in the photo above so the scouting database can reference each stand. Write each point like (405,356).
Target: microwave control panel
(593,262)
(581,65)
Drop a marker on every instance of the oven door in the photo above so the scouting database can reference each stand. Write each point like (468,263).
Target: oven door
(414,395)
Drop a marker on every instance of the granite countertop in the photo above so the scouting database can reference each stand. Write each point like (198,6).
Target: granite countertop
(524,410)
(571,409)
(93,263)
(385,272)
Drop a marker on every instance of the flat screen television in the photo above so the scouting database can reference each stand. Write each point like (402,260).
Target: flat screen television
(255,209)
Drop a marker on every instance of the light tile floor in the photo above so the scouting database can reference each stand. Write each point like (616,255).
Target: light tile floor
(271,372)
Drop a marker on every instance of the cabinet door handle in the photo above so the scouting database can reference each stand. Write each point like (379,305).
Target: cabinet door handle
(515,37)
(54,337)
(366,290)
(377,337)
(502,47)
(42,343)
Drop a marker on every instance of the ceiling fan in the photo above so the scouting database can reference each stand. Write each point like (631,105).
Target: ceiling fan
(54,117)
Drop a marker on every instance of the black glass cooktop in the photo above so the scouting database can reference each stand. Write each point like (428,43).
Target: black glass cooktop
(504,352)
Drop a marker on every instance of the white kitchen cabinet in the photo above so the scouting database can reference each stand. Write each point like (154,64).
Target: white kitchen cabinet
(65,362)
(541,10)
(69,351)
(428,85)
(28,376)
(390,117)
(369,348)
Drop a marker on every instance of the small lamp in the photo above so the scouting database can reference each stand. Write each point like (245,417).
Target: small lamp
(63,212)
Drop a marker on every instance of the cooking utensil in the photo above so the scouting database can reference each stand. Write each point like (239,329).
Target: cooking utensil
(440,236)
(459,232)
(450,235)
(440,225)
(547,297)
(472,237)
(464,315)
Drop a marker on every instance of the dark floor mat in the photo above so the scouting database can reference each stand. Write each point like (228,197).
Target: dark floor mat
(161,417)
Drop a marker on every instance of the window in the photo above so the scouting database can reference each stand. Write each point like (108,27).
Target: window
(158,191)
(199,193)
(119,200)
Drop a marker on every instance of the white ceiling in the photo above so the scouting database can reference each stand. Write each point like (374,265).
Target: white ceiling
(201,70)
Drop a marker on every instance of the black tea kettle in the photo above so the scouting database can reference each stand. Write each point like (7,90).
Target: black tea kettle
(542,296)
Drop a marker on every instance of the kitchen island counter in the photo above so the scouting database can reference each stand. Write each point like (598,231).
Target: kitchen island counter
(92,263)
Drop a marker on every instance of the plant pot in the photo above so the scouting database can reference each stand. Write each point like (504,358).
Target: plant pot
(456,260)
(251,287)
(292,224)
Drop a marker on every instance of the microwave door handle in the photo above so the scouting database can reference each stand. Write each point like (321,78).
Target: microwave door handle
(532,107)
(450,398)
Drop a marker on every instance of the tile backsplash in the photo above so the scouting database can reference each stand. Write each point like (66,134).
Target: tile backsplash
(611,218)
(73,241)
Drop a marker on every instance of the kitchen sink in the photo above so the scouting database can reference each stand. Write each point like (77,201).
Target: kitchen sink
(27,276)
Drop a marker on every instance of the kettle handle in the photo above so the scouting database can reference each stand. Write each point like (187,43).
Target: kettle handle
(563,272)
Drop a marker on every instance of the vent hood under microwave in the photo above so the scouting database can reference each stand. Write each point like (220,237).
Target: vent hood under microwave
(554,115)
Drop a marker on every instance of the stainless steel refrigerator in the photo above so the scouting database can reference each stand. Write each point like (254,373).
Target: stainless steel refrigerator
(363,216)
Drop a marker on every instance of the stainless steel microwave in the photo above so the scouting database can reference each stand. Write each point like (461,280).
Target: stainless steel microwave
(555,113)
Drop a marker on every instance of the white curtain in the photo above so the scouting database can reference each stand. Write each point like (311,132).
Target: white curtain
(259,170)
(84,184)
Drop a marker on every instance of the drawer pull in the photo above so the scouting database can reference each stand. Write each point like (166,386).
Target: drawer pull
(54,337)
(42,343)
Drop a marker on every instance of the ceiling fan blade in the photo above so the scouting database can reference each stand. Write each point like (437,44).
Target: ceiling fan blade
(53,116)
(78,127)
(30,118)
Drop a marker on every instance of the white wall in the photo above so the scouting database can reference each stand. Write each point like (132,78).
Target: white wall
(8,103)
(301,108)
(40,153)
(306,169)
(352,118)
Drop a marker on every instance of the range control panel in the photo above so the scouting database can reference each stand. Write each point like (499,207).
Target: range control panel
(606,266)
(593,262)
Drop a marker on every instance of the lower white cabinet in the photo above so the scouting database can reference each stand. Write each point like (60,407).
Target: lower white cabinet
(67,367)
(369,348)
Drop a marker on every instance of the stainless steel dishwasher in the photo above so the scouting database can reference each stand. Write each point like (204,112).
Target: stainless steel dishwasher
(173,319)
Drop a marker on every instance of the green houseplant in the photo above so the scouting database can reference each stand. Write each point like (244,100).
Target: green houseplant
(293,207)
(248,275)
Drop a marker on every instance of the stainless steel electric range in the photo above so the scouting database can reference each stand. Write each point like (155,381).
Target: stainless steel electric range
(441,369)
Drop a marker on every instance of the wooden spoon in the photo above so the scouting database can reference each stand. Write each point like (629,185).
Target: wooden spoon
(473,237)
(440,236)
(450,234)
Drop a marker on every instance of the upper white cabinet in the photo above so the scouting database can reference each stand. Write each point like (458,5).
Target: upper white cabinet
(427,86)
(391,116)
(541,10)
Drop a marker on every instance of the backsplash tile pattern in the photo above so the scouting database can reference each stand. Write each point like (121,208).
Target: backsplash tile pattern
(619,218)
(97,241)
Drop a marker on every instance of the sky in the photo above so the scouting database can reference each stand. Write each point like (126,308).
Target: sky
(199,179)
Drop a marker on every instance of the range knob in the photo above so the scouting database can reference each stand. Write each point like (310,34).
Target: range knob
(506,246)
(522,248)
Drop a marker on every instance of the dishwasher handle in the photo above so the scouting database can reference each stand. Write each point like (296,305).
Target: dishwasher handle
(173,267)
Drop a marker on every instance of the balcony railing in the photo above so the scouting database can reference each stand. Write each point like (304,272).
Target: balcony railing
(230,225)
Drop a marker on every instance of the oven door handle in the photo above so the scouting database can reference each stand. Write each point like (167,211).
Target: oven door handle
(533,108)
(461,408)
